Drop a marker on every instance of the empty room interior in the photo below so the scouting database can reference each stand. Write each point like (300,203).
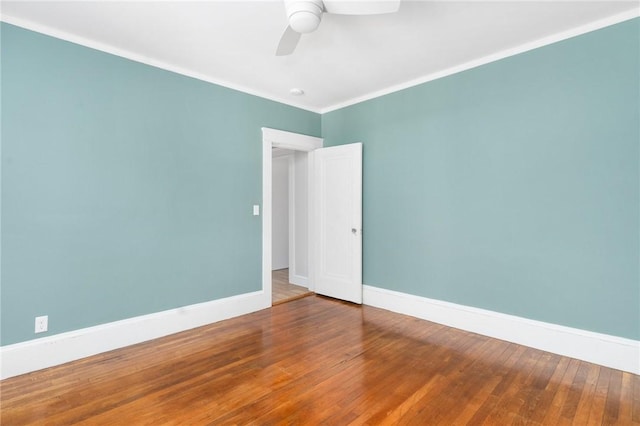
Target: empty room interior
(320,212)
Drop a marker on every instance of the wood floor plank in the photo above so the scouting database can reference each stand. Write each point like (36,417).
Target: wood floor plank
(424,365)
(636,400)
(320,361)
(626,399)
(596,411)
(588,392)
(575,392)
(502,376)
(478,400)
(554,414)
(545,400)
(472,371)
(363,409)
(612,405)
(509,401)
(535,390)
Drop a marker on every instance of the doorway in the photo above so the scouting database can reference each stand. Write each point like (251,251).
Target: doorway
(334,214)
(300,145)
(289,214)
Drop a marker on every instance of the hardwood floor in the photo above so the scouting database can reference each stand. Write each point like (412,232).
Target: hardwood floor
(282,290)
(319,361)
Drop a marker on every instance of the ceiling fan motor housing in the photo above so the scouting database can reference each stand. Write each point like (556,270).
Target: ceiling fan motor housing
(304,15)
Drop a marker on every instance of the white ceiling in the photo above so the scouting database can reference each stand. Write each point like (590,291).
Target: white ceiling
(348,59)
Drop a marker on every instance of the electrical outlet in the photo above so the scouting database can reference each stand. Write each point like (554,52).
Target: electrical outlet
(42,324)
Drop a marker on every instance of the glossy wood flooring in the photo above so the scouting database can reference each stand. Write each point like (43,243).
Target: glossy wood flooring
(318,361)
(282,290)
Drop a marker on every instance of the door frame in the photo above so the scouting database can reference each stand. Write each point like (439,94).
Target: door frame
(287,159)
(281,139)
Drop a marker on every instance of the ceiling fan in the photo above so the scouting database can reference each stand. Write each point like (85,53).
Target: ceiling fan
(304,16)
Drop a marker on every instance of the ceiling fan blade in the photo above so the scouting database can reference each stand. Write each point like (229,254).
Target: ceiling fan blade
(361,7)
(288,42)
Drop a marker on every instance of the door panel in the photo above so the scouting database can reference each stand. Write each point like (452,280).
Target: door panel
(338,237)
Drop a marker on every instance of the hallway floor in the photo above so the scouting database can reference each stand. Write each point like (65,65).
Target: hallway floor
(283,291)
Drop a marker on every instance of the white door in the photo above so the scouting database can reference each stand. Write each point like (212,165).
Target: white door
(338,224)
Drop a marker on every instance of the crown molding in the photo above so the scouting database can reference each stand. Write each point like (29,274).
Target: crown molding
(545,41)
(574,32)
(106,48)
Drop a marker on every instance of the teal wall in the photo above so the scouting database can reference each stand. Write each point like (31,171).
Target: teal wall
(513,186)
(126,189)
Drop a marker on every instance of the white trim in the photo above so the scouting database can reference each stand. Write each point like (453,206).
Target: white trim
(289,140)
(574,32)
(21,358)
(280,139)
(280,152)
(311,266)
(92,44)
(267,174)
(299,280)
(287,157)
(603,349)
(292,216)
(294,276)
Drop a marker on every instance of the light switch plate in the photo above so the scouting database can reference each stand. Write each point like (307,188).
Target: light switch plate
(256,210)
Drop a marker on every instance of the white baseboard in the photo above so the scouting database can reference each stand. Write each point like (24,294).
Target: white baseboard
(609,351)
(299,280)
(602,349)
(24,357)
